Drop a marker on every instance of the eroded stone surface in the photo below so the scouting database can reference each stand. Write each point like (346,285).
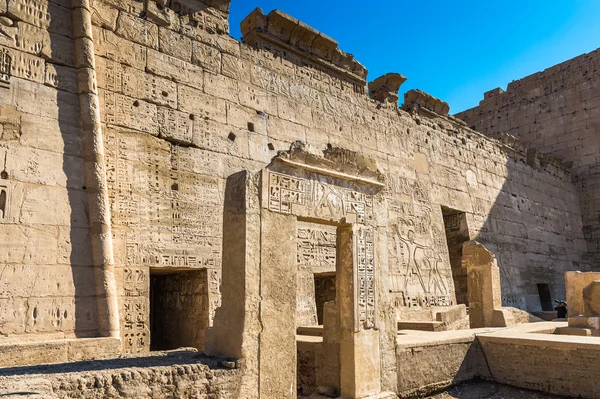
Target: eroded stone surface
(122,126)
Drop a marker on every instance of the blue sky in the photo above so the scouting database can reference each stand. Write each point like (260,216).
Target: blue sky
(454,50)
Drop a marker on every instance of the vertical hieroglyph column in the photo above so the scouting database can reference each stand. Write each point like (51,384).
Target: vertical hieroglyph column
(95,171)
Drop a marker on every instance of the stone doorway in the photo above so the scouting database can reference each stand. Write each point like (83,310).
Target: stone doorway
(545,297)
(457,233)
(179,311)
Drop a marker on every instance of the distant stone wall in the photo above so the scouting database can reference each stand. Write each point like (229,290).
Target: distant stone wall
(556,111)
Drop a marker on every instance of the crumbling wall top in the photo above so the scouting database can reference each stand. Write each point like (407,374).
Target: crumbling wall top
(418,99)
(283,30)
(385,88)
(349,165)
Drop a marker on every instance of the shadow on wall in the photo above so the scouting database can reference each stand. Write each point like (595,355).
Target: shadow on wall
(79,243)
(533,230)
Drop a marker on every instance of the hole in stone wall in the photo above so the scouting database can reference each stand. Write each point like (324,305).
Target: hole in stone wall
(231,136)
(178,309)
(457,232)
(136,103)
(3,196)
(251,126)
(271,146)
(545,297)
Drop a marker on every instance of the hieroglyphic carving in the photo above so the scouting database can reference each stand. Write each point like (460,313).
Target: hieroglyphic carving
(311,197)
(5,66)
(422,300)
(135,324)
(365,277)
(171,218)
(316,247)
(416,267)
(136,282)
(214,293)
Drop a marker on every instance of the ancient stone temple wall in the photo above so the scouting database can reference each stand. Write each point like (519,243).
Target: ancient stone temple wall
(47,279)
(555,112)
(182,107)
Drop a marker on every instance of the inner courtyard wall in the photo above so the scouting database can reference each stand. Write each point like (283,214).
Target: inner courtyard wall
(184,106)
(554,112)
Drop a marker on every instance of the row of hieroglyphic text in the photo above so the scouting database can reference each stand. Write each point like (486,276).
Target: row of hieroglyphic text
(316,247)
(135,309)
(317,198)
(5,65)
(316,254)
(165,203)
(365,277)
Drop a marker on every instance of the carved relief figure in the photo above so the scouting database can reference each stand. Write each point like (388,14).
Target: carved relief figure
(413,267)
(331,203)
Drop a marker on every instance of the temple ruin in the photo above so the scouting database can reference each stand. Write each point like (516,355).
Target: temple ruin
(186,214)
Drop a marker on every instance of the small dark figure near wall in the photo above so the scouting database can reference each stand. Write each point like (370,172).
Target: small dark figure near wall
(561,309)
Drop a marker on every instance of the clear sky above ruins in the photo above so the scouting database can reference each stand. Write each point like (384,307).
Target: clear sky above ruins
(454,50)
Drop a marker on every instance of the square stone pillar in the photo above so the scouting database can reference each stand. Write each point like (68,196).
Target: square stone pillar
(278,306)
(360,374)
(483,284)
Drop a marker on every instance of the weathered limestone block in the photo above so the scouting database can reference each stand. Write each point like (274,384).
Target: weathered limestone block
(103,15)
(175,44)
(23,65)
(591,298)
(174,68)
(159,16)
(43,14)
(50,134)
(56,206)
(207,57)
(221,86)
(61,77)
(137,30)
(415,99)
(113,47)
(575,282)
(201,105)
(133,83)
(385,88)
(121,110)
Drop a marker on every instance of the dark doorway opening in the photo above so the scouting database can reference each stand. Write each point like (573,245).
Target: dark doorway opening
(179,313)
(324,292)
(545,297)
(457,232)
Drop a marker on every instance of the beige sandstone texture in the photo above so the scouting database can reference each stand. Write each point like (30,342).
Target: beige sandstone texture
(164,185)
(555,113)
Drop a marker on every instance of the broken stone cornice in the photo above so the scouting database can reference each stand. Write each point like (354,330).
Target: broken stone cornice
(291,34)
(419,100)
(334,161)
(385,88)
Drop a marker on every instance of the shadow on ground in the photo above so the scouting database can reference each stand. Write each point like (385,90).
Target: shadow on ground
(490,390)
(156,359)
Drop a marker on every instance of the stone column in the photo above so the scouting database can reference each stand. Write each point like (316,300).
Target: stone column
(95,172)
(360,374)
